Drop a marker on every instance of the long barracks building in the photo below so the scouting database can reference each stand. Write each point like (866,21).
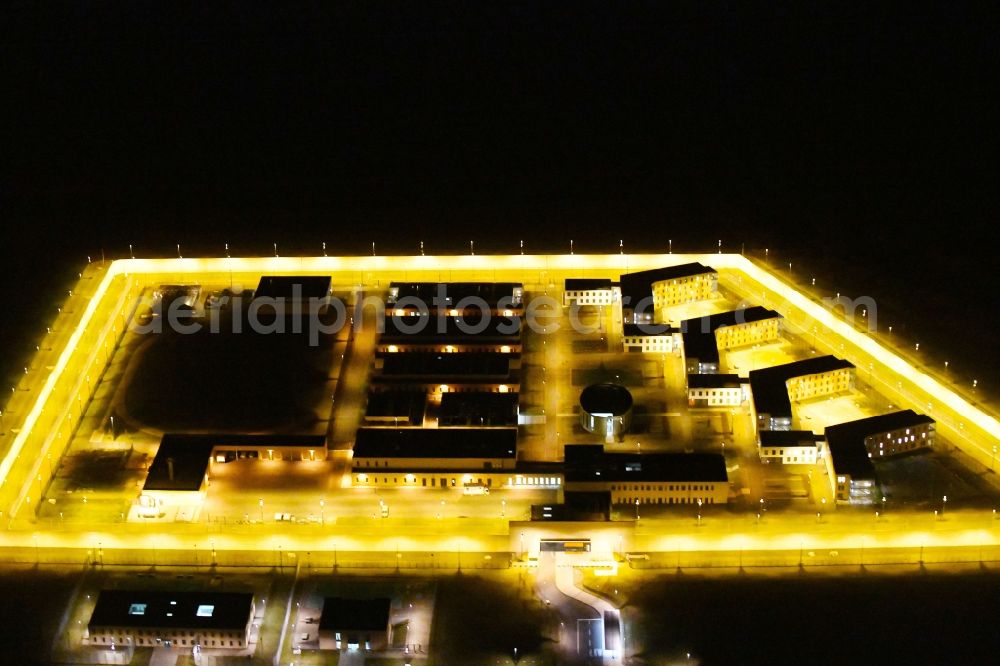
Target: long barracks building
(855,445)
(412,332)
(705,336)
(454,298)
(589,291)
(446,458)
(651,338)
(717,390)
(653,478)
(645,293)
(790,447)
(774,389)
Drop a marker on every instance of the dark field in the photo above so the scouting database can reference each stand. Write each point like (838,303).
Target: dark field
(31,610)
(863,619)
(227,381)
(477,621)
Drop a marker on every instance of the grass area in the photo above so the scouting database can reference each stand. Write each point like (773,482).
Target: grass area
(919,480)
(33,603)
(479,620)
(830,619)
(228,381)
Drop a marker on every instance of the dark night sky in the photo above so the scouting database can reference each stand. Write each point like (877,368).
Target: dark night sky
(841,136)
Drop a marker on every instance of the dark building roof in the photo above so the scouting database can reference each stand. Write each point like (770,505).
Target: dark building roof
(188,455)
(443,364)
(340,614)
(496,294)
(637,286)
(846,441)
(875,425)
(668,273)
(700,381)
(768,385)
(587,284)
(701,346)
(407,405)
(285,286)
(639,330)
(589,462)
(709,323)
(699,333)
(468,408)
(179,464)
(417,329)
(606,398)
(172,610)
(849,454)
(435,443)
(780,438)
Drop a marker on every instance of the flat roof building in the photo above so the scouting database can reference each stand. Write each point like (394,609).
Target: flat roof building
(291,294)
(181,468)
(478,409)
(650,338)
(180,464)
(773,389)
(298,287)
(497,296)
(413,332)
(587,284)
(443,365)
(849,465)
(589,291)
(856,444)
(704,336)
(654,478)
(446,372)
(790,447)
(716,390)
(476,459)
(701,353)
(461,448)
(355,624)
(645,293)
(183,619)
(396,407)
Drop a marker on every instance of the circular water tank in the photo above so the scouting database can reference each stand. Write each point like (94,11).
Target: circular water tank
(606,409)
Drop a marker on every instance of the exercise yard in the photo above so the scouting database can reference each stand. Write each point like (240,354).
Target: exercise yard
(237,381)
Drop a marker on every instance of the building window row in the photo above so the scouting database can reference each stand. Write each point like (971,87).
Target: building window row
(663,500)
(662,487)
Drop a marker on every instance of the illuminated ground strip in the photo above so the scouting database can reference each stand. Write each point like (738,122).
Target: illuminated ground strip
(967,531)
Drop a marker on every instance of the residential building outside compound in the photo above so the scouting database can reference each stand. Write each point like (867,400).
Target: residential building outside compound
(172,619)
(355,624)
